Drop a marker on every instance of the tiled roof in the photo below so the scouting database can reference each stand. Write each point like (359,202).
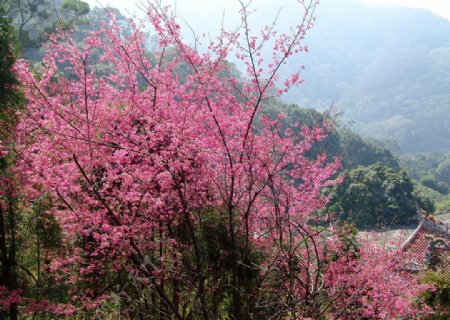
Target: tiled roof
(428,245)
(418,247)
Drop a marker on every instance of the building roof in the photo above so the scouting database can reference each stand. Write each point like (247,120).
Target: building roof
(429,245)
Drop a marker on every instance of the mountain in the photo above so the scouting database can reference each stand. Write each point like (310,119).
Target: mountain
(387,69)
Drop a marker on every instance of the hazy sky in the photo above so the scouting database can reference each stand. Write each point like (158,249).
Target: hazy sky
(197,11)
(440,7)
(205,16)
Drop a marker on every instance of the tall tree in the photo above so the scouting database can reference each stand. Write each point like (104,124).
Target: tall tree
(8,95)
(35,19)
(172,204)
(8,51)
(375,196)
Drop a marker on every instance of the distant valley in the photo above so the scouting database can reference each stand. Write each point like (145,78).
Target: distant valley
(386,69)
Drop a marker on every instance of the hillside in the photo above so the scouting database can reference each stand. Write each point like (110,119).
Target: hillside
(386,68)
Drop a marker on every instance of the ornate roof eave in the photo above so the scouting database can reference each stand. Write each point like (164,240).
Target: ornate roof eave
(408,241)
(442,229)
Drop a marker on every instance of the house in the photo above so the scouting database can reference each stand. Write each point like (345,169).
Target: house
(428,248)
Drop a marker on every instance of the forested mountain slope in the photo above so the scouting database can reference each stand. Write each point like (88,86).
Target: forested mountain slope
(388,69)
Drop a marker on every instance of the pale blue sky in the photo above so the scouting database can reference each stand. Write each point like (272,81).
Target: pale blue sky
(209,10)
(205,16)
(440,7)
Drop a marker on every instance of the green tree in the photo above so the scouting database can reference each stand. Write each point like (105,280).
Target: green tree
(342,141)
(439,297)
(431,182)
(443,171)
(357,151)
(8,50)
(8,212)
(27,234)
(296,117)
(8,244)
(34,19)
(375,196)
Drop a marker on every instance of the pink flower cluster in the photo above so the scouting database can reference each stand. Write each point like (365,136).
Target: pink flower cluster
(135,147)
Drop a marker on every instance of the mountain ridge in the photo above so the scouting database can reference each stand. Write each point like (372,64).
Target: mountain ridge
(388,69)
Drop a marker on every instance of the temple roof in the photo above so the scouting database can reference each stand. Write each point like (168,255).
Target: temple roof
(429,245)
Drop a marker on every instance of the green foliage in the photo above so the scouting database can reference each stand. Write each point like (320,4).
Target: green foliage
(438,201)
(342,141)
(7,57)
(426,198)
(443,170)
(28,18)
(40,236)
(431,182)
(376,191)
(432,171)
(215,242)
(75,6)
(439,297)
(422,164)
(387,143)
(348,235)
(443,206)
(375,196)
(358,152)
(387,68)
(35,19)
(296,117)
(91,22)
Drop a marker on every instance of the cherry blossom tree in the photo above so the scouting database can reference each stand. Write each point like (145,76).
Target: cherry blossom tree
(179,198)
(367,279)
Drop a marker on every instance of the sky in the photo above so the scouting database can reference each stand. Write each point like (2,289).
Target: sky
(440,7)
(206,17)
(211,11)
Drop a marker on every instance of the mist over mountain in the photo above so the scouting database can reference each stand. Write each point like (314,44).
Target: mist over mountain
(387,69)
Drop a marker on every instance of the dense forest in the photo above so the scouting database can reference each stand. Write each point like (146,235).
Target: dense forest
(385,68)
(143,179)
